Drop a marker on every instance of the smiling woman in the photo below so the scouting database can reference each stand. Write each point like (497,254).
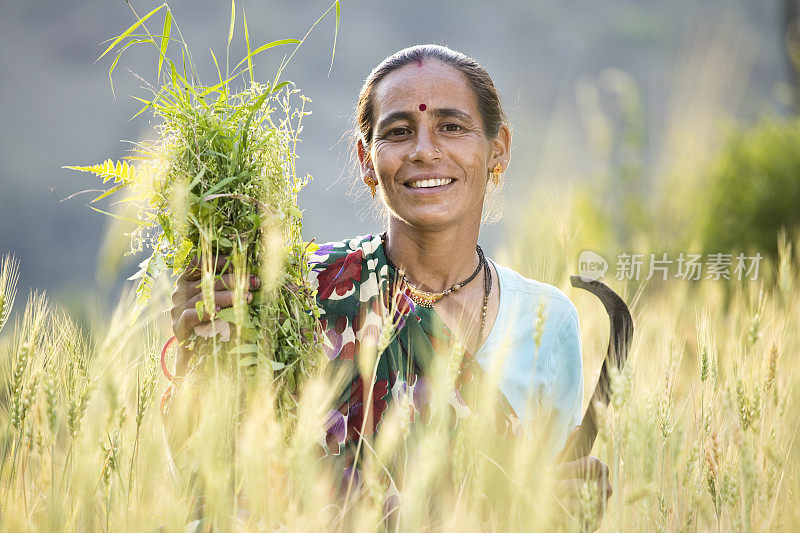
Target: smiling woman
(431,140)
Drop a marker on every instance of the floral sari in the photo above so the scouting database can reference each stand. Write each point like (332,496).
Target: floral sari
(354,286)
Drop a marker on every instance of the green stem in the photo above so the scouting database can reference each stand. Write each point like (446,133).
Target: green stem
(12,474)
(366,407)
(133,464)
(52,476)
(5,448)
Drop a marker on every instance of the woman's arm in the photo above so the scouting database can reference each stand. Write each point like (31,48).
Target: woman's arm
(571,475)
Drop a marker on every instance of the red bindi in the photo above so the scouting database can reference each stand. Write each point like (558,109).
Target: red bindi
(422,107)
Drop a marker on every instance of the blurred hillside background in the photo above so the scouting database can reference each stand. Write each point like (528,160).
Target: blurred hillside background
(629,110)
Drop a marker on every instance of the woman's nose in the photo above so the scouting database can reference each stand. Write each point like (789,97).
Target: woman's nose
(425,147)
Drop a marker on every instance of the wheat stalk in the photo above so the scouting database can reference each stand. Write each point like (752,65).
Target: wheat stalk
(9,275)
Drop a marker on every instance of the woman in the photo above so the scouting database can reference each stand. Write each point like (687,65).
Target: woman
(431,140)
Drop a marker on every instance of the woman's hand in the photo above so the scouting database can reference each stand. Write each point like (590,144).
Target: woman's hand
(570,479)
(188,292)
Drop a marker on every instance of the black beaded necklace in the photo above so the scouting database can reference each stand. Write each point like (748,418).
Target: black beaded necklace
(427,299)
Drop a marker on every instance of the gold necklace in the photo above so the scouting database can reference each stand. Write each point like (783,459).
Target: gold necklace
(428,298)
(487,289)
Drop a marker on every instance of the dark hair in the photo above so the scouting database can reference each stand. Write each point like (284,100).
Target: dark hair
(492,114)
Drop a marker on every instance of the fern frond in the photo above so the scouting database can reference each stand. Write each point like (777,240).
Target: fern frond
(149,269)
(120,172)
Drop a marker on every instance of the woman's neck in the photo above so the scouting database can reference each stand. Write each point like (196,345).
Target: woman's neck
(433,260)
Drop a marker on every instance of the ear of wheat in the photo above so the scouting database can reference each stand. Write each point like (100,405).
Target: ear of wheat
(9,275)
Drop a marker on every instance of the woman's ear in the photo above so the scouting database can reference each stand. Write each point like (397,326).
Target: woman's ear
(501,147)
(364,159)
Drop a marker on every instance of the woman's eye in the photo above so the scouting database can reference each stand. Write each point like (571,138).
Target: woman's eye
(451,127)
(396,131)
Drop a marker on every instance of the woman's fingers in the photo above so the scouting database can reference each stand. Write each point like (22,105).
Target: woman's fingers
(222,299)
(588,467)
(568,492)
(187,320)
(194,269)
(185,317)
(224,281)
(571,476)
(186,290)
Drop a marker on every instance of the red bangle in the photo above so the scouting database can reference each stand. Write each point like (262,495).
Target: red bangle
(166,372)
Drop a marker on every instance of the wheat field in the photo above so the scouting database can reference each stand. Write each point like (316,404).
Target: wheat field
(699,435)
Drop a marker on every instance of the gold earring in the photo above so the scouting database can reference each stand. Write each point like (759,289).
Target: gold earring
(371,182)
(496,172)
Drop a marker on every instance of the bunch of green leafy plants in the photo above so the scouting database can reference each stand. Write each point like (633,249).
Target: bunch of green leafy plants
(217,191)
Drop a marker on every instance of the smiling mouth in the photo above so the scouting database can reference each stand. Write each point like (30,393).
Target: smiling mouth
(424,184)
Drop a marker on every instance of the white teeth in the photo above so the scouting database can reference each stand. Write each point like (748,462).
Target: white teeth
(429,183)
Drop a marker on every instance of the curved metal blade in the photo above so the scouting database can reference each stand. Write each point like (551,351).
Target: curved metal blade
(618,344)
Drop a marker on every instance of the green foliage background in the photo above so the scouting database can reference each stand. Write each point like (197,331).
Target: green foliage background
(754,189)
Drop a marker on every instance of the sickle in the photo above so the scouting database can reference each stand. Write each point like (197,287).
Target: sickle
(619,341)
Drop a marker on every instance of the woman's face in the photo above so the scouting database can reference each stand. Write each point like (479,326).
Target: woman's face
(419,109)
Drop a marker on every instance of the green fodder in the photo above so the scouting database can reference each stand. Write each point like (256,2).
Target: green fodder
(219,181)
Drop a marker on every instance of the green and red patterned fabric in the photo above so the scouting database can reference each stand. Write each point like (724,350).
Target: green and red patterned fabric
(354,286)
